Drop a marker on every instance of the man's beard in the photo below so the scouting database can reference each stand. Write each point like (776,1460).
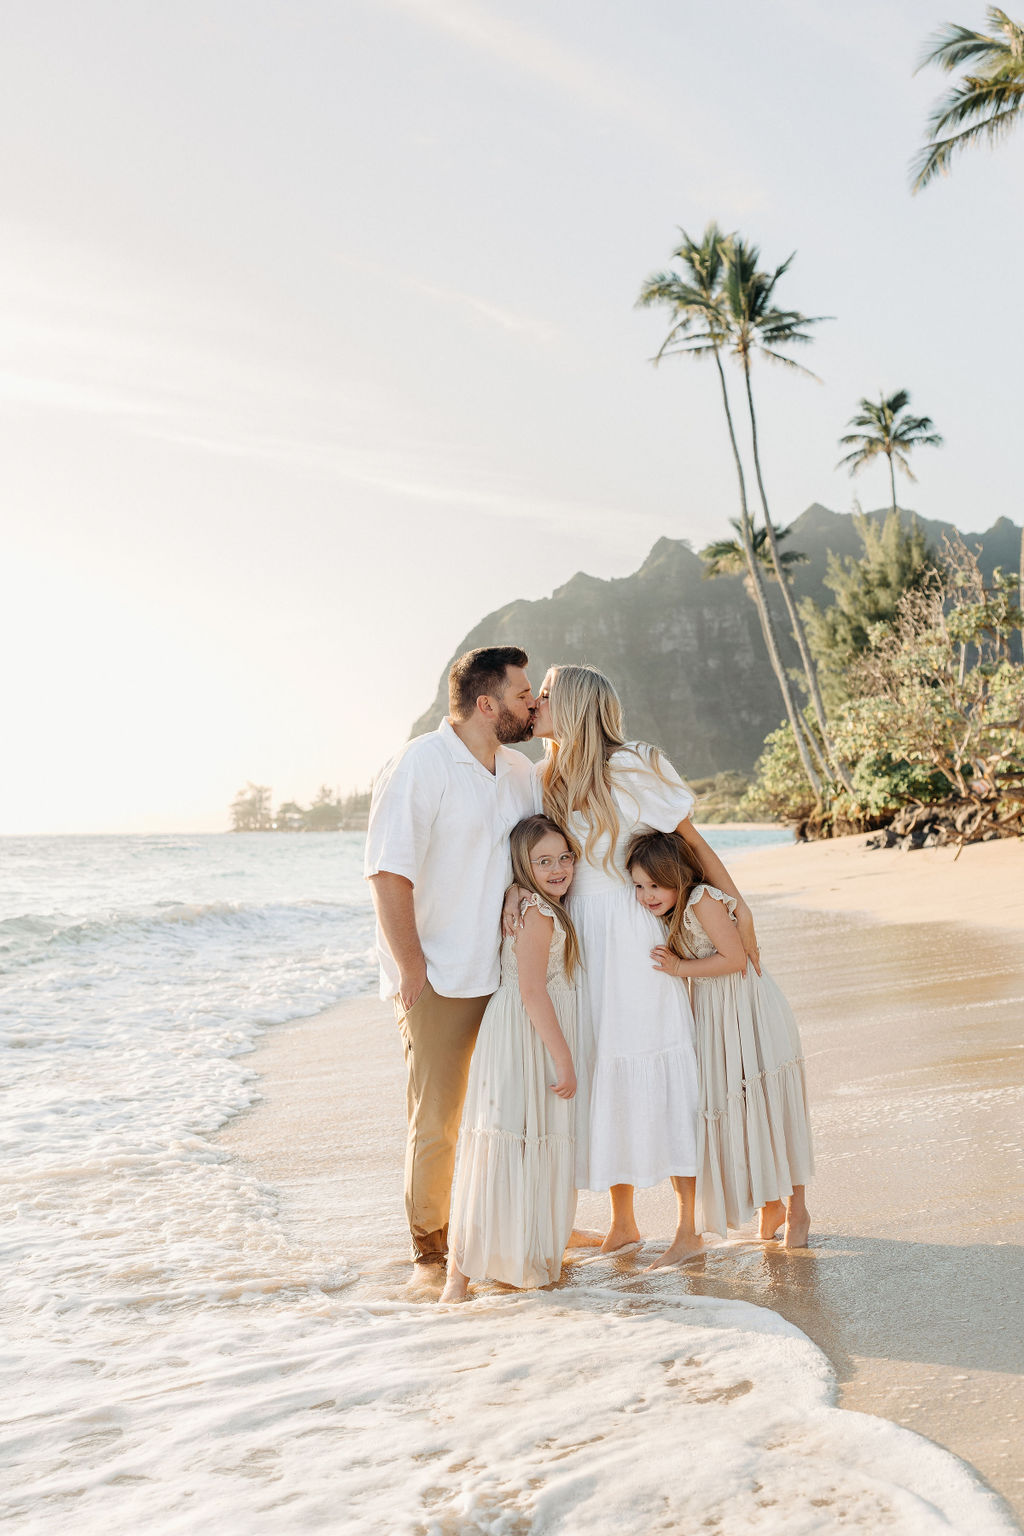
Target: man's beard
(509,728)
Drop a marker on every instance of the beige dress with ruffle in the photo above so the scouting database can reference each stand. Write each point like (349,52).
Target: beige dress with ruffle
(514,1197)
(753,1127)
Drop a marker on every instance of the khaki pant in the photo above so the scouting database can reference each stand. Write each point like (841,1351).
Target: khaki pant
(438,1034)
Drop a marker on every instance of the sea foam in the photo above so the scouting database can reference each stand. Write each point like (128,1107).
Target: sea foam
(588,1410)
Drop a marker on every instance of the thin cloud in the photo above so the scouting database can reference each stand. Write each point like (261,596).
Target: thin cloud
(506,319)
(604,93)
(537,54)
(510,320)
(439,479)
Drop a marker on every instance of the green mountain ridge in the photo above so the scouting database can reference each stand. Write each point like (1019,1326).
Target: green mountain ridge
(686,654)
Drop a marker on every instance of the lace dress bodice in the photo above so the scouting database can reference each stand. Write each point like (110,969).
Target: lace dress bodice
(698,945)
(556,955)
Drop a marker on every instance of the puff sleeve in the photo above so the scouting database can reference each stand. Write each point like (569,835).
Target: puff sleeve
(662,800)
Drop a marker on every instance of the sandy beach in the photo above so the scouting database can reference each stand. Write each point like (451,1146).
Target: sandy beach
(983,888)
(910,1002)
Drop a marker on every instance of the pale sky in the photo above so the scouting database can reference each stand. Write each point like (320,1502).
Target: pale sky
(319,344)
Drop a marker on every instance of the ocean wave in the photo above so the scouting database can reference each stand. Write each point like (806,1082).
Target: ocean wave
(27,937)
(545,1414)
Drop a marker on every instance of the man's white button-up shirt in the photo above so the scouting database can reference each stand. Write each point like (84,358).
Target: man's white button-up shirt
(439,818)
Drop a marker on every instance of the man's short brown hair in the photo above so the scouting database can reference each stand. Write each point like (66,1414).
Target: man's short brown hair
(481,671)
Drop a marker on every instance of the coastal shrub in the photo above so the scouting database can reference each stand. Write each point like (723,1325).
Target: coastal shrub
(883,777)
(780,791)
(947,695)
(866,591)
(882,781)
(935,717)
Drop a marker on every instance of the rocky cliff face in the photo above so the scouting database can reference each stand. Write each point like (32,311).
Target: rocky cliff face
(685,654)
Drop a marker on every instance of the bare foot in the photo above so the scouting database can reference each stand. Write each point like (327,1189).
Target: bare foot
(584,1237)
(425,1277)
(456,1288)
(797,1230)
(688,1246)
(770,1218)
(622,1237)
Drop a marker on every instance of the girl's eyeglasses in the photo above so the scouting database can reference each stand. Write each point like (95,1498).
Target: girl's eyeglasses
(547,863)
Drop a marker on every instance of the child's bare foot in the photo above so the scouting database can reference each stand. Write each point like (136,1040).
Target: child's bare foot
(456,1287)
(684,1246)
(626,1235)
(584,1237)
(797,1230)
(770,1218)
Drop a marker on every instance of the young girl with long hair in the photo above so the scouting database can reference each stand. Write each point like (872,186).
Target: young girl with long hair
(636,1034)
(754,1138)
(515,1190)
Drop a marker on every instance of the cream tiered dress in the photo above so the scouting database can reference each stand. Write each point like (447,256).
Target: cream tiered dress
(636,1033)
(514,1197)
(754,1134)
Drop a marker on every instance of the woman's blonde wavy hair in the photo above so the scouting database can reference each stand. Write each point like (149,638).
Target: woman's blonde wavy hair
(586,716)
(523,839)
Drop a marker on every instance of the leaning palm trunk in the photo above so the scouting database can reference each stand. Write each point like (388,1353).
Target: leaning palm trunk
(761,604)
(837,766)
(892,483)
(818,754)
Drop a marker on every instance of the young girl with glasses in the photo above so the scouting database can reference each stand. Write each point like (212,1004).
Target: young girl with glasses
(515,1190)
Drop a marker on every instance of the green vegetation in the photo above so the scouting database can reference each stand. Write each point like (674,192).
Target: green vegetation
(934,718)
(986,104)
(866,592)
(251,812)
(719,798)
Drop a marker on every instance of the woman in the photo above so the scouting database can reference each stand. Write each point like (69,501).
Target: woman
(643,1076)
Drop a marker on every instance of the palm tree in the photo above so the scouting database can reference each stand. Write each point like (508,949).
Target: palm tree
(699,327)
(756,324)
(727,557)
(985,104)
(887,427)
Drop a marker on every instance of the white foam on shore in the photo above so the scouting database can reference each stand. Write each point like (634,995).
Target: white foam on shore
(584,1410)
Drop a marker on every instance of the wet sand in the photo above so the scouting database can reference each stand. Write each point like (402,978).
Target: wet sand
(915,1276)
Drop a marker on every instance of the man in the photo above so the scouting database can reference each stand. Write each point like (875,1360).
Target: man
(438,865)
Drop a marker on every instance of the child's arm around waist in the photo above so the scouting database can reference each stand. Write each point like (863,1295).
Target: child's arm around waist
(731,957)
(533,944)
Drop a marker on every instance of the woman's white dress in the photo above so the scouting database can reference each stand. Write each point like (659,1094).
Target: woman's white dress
(514,1196)
(754,1128)
(636,1032)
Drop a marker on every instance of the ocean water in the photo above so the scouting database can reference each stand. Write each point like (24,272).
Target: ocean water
(172,1358)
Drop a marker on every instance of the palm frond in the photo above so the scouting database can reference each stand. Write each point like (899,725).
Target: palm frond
(954,45)
(977,97)
(727,557)
(790,362)
(935,158)
(985,105)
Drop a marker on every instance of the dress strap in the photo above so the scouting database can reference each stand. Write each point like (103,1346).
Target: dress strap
(531,899)
(704,889)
